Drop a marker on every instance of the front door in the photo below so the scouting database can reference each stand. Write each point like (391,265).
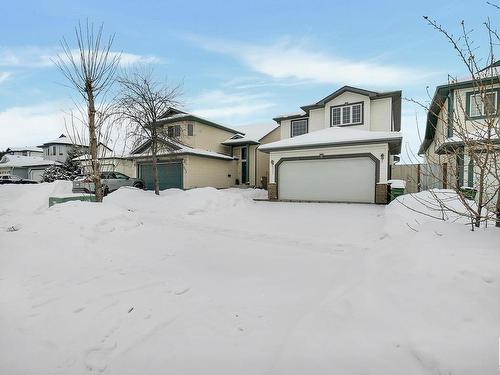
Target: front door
(244,154)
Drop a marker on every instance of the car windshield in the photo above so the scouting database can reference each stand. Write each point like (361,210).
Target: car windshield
(120,176)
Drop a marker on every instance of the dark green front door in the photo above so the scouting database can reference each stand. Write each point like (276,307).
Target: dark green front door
(169,175)
(244,166)
(243,172)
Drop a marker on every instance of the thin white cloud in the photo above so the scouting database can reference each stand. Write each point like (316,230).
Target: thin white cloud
(31,125)
(230,107)
(5,76)
(298,60)
(37,57)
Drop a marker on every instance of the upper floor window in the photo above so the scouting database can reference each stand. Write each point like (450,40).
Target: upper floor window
(350,114)
(190,130)
(482,105)
(174,131)
(54,150)
(298,127)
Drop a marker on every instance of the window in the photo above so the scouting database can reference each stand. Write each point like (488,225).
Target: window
(53,150)
(60,150)
(470,173)
(174,131)
(243,153)
(336,113)
(349,114)
(121,176)
(190,130)
(479,107)
(298,127)
(450,115)
(460,170)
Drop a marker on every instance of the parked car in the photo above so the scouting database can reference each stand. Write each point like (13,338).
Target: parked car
(111,181)
(13,179)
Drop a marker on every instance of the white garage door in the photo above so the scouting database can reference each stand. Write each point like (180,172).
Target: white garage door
(336,180)
(36,174)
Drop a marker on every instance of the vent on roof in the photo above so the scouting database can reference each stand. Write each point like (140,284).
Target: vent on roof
(62,136)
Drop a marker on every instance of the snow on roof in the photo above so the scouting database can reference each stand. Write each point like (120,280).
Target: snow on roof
(24,161)
(25,148)
(292,114)
(253,133)
(331,136)
(182,150)
(62,140)
(179,116)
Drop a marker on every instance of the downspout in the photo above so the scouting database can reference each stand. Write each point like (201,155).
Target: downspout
(248,163)
(255,175)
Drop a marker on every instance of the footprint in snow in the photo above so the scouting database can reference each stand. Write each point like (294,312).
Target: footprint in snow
(96,358)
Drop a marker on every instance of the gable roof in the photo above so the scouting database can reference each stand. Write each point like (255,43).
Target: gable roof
(438,100)
(61,140)
(373,95)
(173,115)
(177,149)
(252,134)
(336,136)
(25,148)
(14,161)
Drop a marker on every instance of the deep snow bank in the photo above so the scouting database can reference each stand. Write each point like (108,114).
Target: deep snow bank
(210,281)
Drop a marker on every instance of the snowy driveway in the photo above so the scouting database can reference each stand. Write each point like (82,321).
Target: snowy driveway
(208,281)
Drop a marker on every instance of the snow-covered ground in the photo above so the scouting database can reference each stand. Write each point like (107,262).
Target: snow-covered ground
(212,282)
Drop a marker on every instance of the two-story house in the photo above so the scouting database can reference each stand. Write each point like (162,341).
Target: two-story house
(338,149)
(199,153)
(57,149)
(457,124)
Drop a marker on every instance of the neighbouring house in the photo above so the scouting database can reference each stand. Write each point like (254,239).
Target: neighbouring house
(204,153)
(25,151)
(27,167)
(455,120)
(58,148)
(339,149)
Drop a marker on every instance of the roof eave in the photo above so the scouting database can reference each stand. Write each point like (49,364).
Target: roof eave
(395,143)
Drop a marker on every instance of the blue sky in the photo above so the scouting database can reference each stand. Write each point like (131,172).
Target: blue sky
(240,62)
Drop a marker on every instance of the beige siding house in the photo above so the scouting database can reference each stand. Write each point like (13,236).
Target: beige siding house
(338,149)
(200,153)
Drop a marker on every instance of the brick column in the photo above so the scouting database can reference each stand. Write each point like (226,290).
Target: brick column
(381,193)
(272,191)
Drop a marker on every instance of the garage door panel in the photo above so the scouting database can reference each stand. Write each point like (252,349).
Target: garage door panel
(169,175)
(337,180)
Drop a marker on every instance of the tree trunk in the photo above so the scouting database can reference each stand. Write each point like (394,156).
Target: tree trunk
(497,224)
(156,181)
(93,146)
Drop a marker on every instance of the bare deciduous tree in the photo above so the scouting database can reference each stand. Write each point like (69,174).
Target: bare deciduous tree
(90,69)
(142,104)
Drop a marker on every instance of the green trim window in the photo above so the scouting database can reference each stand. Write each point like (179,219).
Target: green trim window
(190,130)
(470,173)
(298,127)
(460,170)
(450,115)
(480,106)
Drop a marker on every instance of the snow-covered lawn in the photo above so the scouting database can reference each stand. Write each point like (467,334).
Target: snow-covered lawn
(212,282)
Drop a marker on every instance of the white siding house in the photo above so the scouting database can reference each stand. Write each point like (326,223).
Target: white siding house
(338,149)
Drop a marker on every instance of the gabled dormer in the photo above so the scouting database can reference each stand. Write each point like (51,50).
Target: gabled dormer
(348,106)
